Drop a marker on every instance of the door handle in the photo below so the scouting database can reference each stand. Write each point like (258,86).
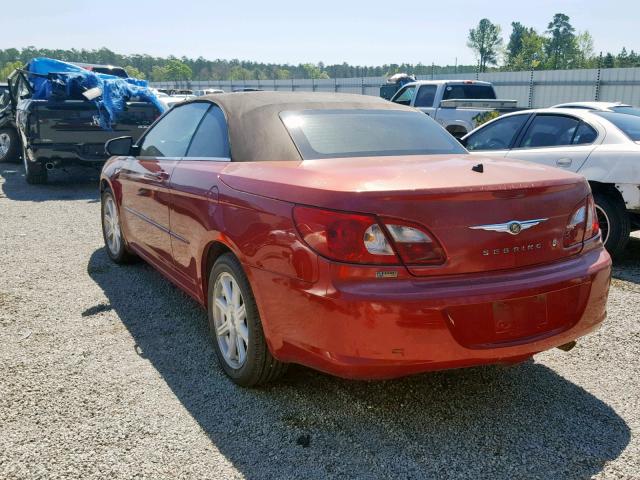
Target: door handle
(564,162)
(160,176)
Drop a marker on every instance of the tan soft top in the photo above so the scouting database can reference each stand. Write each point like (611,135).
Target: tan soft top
(256,132)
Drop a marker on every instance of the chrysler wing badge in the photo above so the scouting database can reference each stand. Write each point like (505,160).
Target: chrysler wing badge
(513,227)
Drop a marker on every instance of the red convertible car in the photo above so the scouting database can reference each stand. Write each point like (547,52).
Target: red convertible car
(354,236)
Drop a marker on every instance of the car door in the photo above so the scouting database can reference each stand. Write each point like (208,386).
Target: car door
(425,98)
(405,95)
(556,140)
(194,184)
(145,183)
(497,137)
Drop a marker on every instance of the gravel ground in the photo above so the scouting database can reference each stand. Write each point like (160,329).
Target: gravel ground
(107,372)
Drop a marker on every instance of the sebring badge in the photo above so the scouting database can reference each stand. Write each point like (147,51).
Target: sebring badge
(513,227)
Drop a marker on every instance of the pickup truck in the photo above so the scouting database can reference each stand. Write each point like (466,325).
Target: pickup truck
(56,133)
(458,105)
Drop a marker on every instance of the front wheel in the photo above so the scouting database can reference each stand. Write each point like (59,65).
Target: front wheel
(235,326)
(615,225)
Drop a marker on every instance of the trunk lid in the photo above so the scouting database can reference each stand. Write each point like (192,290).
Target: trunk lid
(443,194)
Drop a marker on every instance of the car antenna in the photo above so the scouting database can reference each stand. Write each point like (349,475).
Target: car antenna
(478,168)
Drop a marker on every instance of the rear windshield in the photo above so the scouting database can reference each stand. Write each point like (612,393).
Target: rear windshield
(629,124)
(627,110)
(468,91)
(366,133)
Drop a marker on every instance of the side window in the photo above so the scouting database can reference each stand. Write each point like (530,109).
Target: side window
(426,95)
(405,95)
(170,137)
(20,87)
(585,134)
(498,135)
(549,131)
(211,139)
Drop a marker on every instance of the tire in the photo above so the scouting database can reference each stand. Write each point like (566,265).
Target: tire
(9,145)
(35,173)
(615,224)
(258,365)
(114,241)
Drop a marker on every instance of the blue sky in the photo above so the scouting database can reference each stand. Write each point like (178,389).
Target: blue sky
(363,33)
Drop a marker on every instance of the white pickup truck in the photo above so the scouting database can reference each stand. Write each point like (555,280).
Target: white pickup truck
(458,105)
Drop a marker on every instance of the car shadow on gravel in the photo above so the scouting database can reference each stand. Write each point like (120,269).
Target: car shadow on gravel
(627,267)
(492,422)
(74,183)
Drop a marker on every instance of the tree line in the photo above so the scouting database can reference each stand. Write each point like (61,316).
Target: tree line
(173,68)
(560,46)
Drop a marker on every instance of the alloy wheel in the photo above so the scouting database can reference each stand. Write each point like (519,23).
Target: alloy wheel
(111,226)
(230,320)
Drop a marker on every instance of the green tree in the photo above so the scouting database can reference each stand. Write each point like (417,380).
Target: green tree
(584,56)
(485,41)
(623,58)
(282,74)
(532,52)
(8,68)
(514,47)
(313,71)
(609,61)
(177,70)
(134,72)
(561,47)
(239,73)
(158,74)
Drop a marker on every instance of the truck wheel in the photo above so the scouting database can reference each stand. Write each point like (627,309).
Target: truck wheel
(35,173)
(235,326)
(615,225)
(9,145)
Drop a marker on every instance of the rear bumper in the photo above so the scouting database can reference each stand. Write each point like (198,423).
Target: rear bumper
(394,327)
(65,154)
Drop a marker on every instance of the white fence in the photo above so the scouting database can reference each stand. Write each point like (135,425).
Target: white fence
(531,89)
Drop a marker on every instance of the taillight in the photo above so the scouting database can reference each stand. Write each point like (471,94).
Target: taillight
(414,245)
(359,238)
(345,237)
(582,224)
(592,228)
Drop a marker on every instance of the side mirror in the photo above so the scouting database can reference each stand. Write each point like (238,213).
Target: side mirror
(120,146)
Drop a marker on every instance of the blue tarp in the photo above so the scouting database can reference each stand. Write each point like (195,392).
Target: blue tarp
(54,80)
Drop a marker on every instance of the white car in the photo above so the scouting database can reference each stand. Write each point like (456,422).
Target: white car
(207,91)
(602,107)
(603,146)
(171,100)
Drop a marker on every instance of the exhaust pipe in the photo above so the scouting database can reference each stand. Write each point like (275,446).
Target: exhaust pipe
(49,165)
(568,346)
